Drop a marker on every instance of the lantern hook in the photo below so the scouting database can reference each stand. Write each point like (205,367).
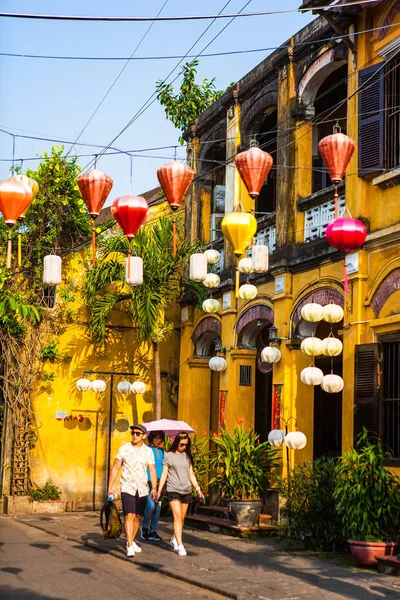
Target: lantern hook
(337,128)
(253,142)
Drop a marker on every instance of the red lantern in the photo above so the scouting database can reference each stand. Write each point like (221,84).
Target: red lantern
(130,212)
(346,234)
(336,151)
(175,178)
(15,198)
(253,166)
(94,187)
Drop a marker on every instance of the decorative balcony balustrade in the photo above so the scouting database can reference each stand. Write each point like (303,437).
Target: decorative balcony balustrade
(316,219)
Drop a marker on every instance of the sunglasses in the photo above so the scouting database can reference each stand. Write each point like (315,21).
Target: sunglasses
(182,445)
(137,432)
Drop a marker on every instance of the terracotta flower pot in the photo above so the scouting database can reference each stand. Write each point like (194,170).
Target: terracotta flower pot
(365,552)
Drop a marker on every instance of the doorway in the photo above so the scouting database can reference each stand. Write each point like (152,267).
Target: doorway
(263,403)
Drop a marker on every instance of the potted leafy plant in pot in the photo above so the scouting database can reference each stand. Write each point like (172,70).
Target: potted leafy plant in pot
(368,497)
(242,467)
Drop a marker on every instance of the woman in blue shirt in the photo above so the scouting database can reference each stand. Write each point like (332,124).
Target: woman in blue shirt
(152,512)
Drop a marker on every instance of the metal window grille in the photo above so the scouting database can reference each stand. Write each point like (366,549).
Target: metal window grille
(215,226)
(49,296)
(391,397)
(245,375)
(392,113)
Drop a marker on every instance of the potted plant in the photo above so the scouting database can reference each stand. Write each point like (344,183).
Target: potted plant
(242,471)
(368,497)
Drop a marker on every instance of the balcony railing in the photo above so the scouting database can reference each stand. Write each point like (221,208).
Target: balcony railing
(316,219)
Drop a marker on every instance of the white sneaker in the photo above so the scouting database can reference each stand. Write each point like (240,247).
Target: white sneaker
(130,550)
(174,544)
(181,550)
(136,547)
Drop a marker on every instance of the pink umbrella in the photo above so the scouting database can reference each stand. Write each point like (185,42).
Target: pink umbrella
(169,426)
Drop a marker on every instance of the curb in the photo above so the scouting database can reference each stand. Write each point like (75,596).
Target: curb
(151,567)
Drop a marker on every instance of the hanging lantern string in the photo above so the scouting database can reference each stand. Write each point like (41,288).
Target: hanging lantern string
(130,174)
(13,155)
(129,258)
(9,249)
(95,161)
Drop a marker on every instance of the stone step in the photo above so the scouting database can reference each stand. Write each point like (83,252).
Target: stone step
(388,565)
(221,512)
(217,525)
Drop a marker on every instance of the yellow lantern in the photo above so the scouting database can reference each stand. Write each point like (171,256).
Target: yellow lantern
(311,346)
(238,229)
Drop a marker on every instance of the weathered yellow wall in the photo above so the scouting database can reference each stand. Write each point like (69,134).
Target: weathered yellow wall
(73,454)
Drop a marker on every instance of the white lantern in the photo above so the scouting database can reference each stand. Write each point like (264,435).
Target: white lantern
(52,269)
(83,385)
(296,440)
(247,291)
(212,280)
(217,363)
(259,258)
(99,386)
(312,312)
(270,354)
(331,346)
(245,265)
(333,313)
(212,256)
(311,376)
(276,437)
(333,384)
(211,306)
(134,270)
(311,346)
(138,387)
(124,387)
(198,267)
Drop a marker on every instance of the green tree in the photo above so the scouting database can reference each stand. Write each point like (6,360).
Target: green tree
(184,108)
(57,221)
(148,304)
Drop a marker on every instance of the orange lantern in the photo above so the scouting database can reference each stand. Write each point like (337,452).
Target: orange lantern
(253,166)
(175,178)
(94,187)
(336,151)
(35,189)
(15,198)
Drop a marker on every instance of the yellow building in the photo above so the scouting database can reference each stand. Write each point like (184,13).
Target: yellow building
(79,432)
(341,69)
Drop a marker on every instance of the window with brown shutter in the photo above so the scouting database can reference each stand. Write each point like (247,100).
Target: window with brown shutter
(370,120)
(367,393)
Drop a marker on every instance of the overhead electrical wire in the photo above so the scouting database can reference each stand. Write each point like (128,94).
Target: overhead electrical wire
(181,17)
(118,76)
(207,55)
(153,97)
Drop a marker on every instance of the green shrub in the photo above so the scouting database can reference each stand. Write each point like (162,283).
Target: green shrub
(242,465)
(310,509)
(368,495)
(47,492)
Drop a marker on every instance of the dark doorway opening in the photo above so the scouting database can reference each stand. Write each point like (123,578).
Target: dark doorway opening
(263,404)
(327,413)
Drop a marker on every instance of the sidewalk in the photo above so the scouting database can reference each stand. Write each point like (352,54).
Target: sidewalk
(266,569)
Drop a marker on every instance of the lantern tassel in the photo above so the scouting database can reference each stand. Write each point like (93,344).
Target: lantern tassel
(345,280)
(336,200)
(9,249)
(93,244)
(237,282)
(174,236)
(19,249)
(129,258)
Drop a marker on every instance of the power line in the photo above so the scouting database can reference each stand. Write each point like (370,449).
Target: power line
(152,98)
(207,55)
(180,17)
(118,76)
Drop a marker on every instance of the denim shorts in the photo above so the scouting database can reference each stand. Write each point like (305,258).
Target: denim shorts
(133,504)
(184,498)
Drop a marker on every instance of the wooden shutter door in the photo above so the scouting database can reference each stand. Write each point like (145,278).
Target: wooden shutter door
(367,393)
(370,121)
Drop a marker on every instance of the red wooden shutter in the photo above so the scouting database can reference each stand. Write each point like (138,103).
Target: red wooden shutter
(367,393)
(370,121)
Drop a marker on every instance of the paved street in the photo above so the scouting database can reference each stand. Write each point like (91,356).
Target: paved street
(262,569)
(37,566)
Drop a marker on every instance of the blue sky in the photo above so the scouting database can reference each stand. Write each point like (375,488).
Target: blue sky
(53,98)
